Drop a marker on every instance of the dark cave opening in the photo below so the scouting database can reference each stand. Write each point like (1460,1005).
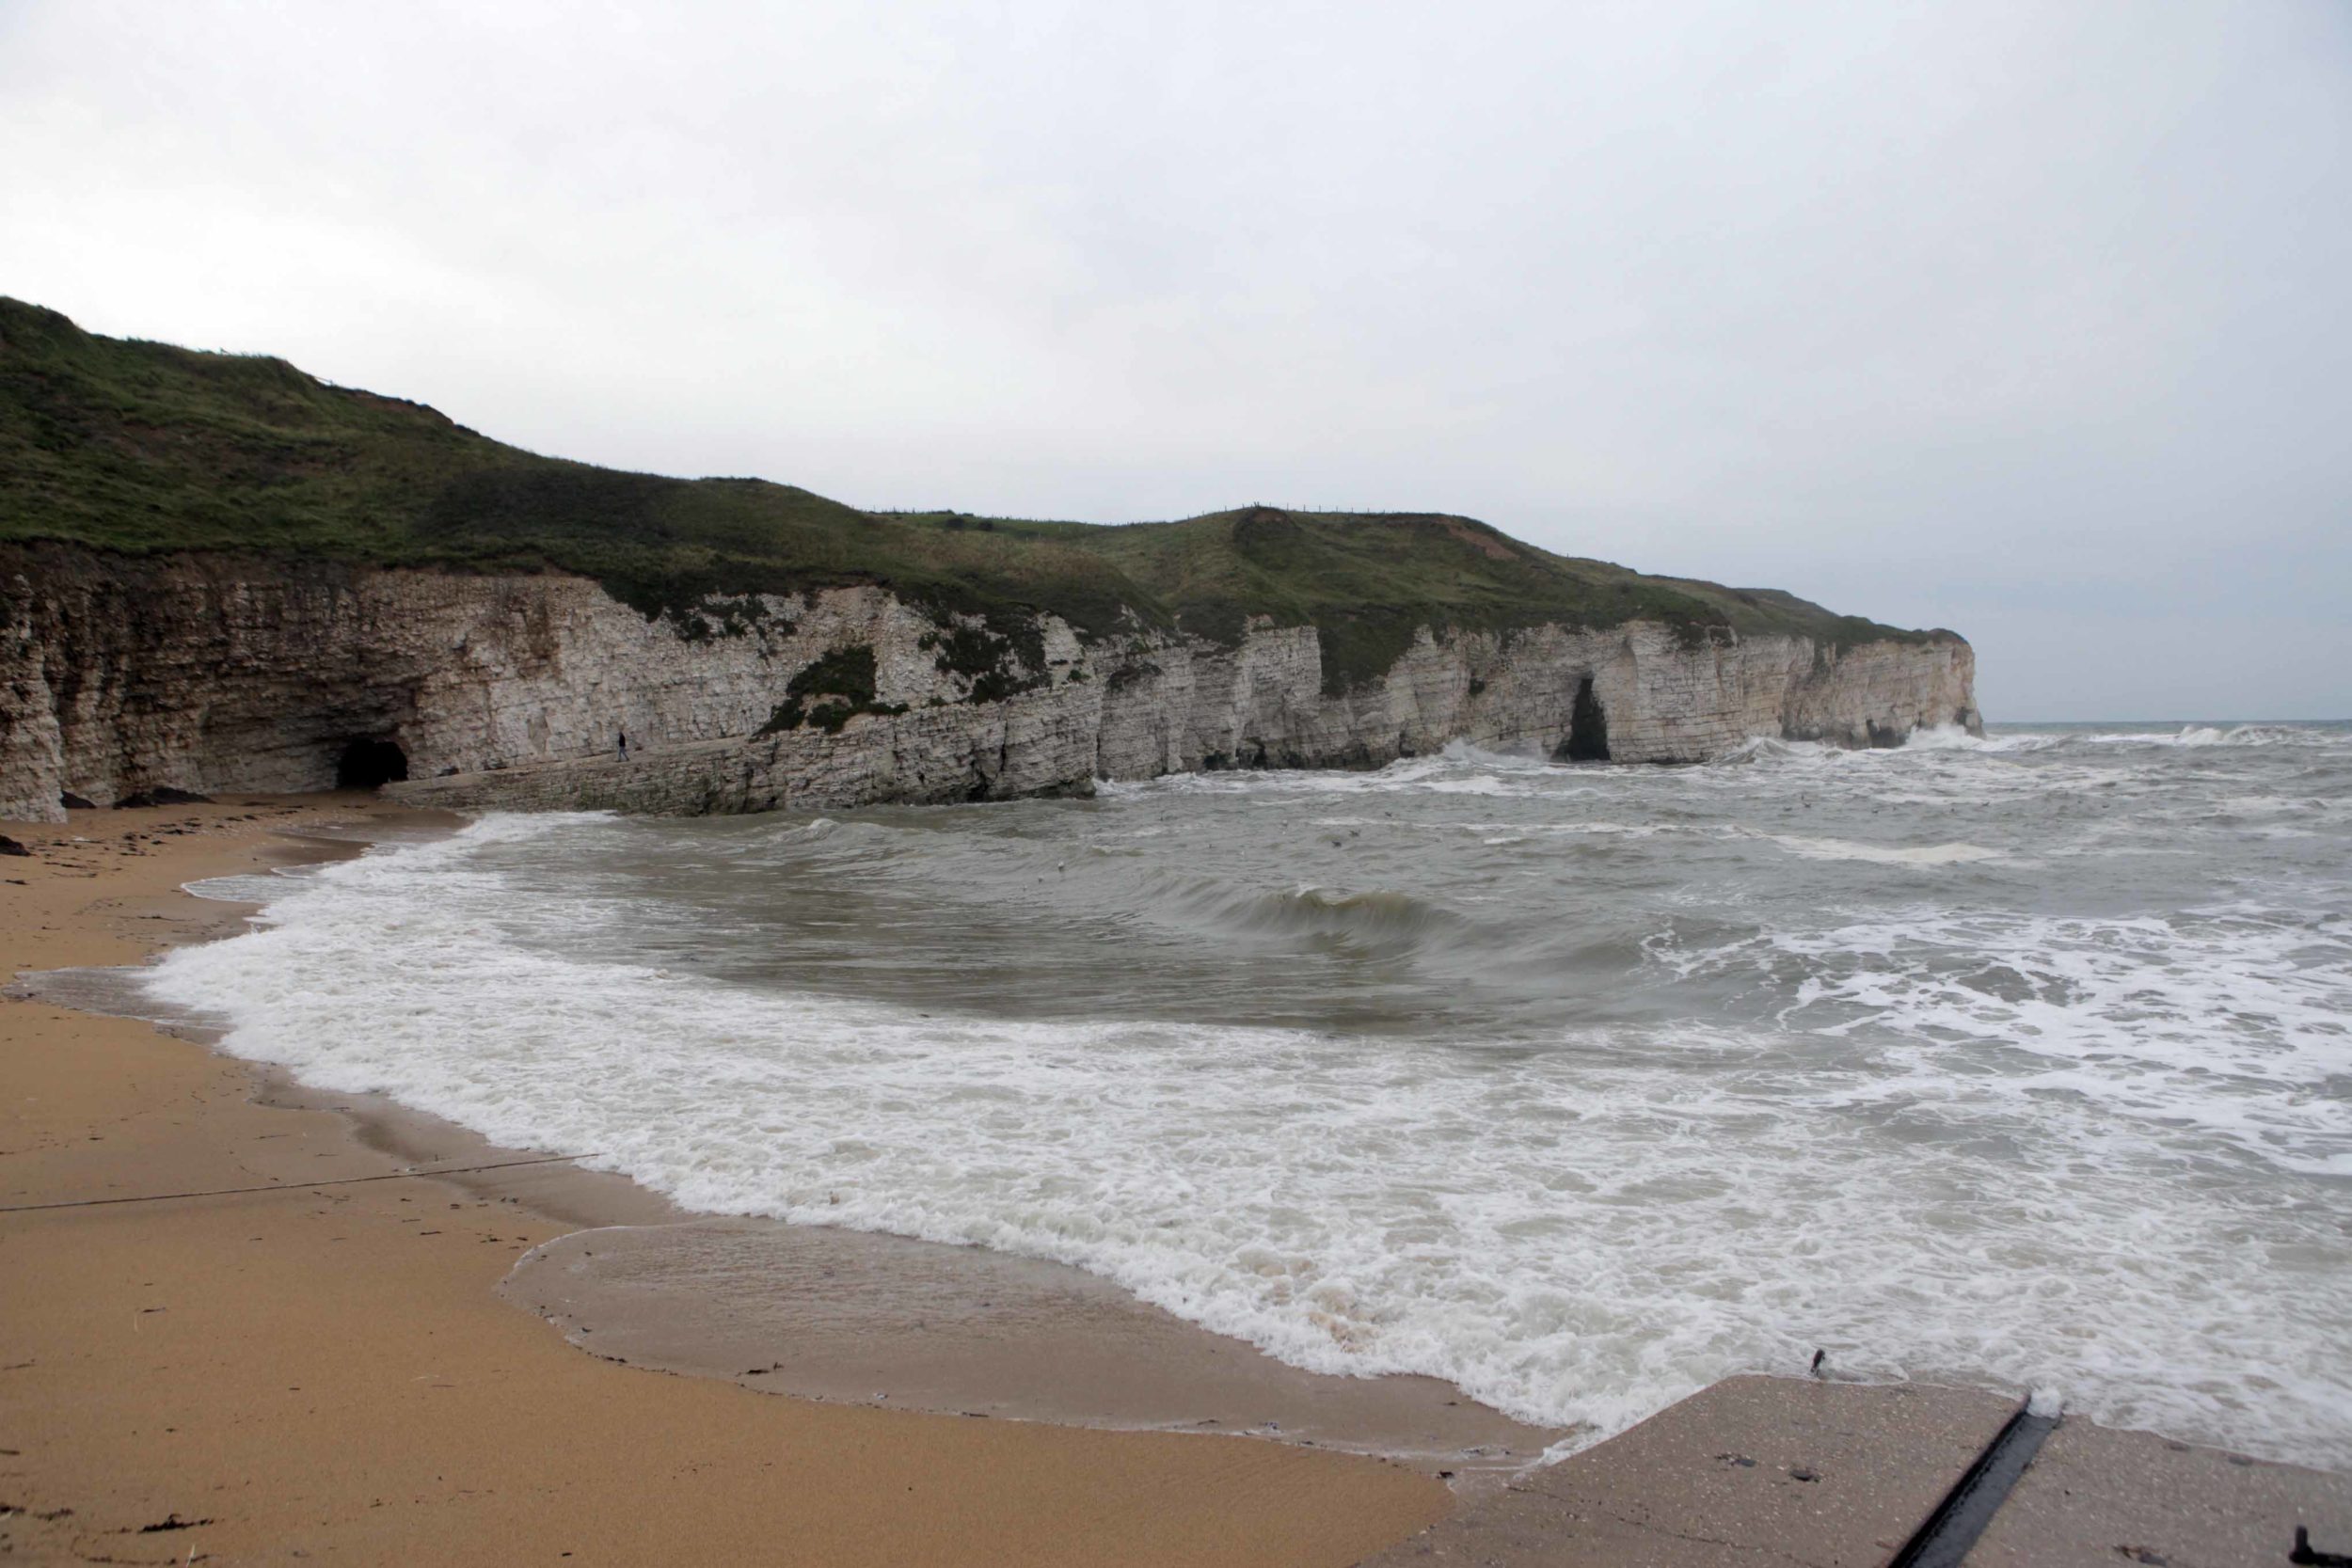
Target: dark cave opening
(368,764)
(1588,727)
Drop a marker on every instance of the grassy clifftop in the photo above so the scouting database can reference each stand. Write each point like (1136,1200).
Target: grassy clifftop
(138,447)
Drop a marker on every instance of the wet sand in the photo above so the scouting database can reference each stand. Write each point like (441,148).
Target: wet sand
(837,1315)
(329,1372)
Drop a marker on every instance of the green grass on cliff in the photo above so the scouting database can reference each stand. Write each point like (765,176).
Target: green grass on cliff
(142,448)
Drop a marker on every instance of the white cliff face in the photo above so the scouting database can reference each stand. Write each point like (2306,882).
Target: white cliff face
(212,675)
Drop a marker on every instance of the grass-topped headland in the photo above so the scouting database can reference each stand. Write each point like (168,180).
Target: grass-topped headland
(142,448)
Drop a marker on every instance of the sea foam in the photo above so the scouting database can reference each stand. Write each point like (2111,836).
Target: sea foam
(2098,1151)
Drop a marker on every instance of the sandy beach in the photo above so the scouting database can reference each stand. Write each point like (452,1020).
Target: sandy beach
(328,1373)
(326,1358)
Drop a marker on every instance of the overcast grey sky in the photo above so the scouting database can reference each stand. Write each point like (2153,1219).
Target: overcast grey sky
(2028,320)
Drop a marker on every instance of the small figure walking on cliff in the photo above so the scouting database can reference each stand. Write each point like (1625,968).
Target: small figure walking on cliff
(622,735)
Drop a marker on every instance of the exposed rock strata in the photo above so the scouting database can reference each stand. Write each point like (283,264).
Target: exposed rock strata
(223,674)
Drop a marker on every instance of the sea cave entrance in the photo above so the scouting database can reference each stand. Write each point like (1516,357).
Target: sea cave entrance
(1588,727)
(370,764)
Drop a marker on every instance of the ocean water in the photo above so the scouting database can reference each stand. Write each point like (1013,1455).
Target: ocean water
(2024,1062)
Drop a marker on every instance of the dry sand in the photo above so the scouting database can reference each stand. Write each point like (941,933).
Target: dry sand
(326,1374)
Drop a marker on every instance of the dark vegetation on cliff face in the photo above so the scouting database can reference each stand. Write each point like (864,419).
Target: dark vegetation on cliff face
(141,447)
(829,694)
(977,654)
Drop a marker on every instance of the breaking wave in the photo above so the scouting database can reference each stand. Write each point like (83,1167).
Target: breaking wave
(1375,921)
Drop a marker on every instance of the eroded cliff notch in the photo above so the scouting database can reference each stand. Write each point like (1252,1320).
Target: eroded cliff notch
(370,764)
(1588,727)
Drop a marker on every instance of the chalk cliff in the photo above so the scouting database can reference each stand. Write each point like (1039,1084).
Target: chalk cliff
(221,671)
(219,573)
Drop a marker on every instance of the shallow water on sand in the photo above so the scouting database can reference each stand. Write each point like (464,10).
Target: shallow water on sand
(2025,1061)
